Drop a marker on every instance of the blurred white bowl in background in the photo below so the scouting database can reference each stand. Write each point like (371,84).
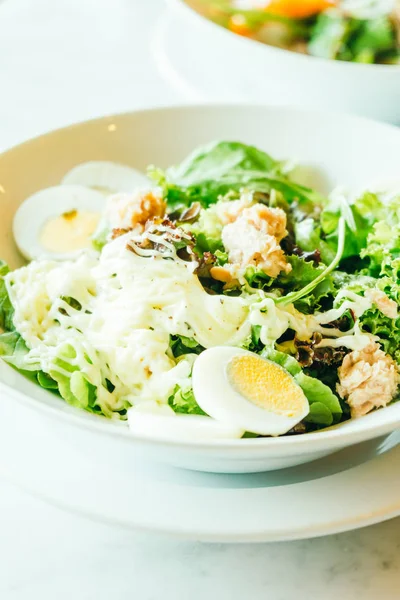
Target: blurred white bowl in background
(249,70)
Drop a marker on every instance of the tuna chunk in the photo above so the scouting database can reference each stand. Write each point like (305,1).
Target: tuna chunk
(368,379)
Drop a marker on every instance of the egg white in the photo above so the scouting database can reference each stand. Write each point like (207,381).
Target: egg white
(162,423)
(44,205)
(217,396)
(107,177)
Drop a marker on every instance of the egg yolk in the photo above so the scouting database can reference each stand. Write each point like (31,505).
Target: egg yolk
(70,231)
(266,385)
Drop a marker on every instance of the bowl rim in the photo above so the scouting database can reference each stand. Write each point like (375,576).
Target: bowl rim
(58,409)
(181,7)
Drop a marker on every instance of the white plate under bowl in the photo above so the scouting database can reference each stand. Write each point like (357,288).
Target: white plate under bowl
(337,149)
(353,488)
(197,54)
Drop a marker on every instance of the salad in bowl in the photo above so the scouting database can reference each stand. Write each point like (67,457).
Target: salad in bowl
(215,299)
(361,31)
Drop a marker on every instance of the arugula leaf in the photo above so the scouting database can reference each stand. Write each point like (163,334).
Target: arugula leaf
(308,234)
(217,159)
(222,167)
(293,297)
(357,225)
(367,215)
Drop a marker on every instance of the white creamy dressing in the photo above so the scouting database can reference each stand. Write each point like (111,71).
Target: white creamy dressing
(130,306)
(275,320)
(165,295)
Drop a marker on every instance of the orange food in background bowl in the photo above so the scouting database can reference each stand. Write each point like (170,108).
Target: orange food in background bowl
(298,9)
(238,24)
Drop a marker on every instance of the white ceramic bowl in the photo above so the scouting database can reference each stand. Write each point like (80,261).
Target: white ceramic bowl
(38,431)
(251,71)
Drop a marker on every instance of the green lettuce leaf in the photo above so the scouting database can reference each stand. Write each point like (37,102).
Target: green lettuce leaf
(370,207)
(73,385)
(388,330)
(181,344)
(383,250)
(13,351)
(356,283)
(374,38)
(67,380)
(328,35)
(337,36)
(319,415)
(6,308)
(303,273)
(257,278)
(8,344)
(207,231)
(253,342)
(320,394)
(100,236)
(47,382)
(286,361)
(325,407)
(183,401)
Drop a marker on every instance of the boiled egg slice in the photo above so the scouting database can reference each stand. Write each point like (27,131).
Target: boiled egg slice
(57,221)
(243,390)
(107,177)
(161,422)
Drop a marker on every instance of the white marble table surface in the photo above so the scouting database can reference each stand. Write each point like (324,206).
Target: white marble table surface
(68,60)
